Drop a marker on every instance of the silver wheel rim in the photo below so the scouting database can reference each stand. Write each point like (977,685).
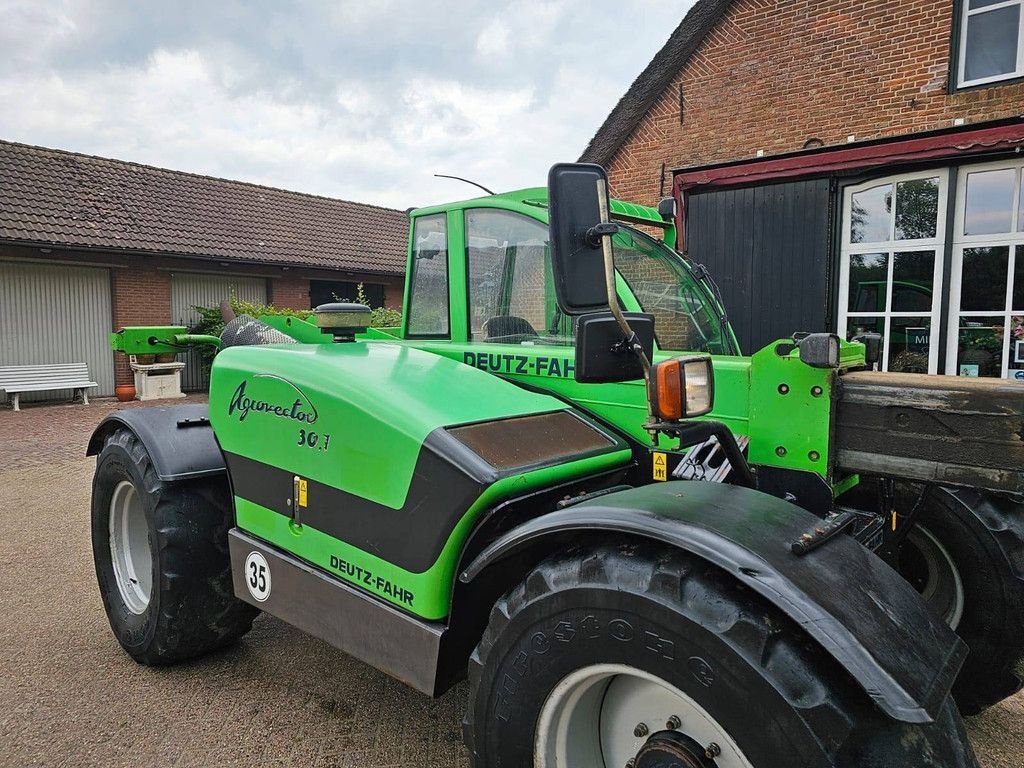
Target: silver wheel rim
(129,547)
(942,588)
(591,718)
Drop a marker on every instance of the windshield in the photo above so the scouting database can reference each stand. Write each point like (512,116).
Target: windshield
(686,316)
(512,294)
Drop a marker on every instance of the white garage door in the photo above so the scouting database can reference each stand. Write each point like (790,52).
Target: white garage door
(190,290)
(56,314)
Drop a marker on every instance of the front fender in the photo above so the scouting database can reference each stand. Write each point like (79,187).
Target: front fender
(179,439)
(871,621)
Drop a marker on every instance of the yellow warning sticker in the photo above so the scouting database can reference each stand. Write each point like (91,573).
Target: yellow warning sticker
(660,466)
(303,492)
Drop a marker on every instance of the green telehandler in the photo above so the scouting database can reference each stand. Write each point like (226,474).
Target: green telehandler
(559,478)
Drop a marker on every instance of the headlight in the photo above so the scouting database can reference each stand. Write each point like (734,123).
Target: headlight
(682,387)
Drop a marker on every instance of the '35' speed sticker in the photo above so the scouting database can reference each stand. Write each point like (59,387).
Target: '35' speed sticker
(257,576)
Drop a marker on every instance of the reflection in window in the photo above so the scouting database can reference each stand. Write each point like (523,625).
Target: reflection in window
(917,208)
(980,346)
(984,279)
(1018,281)
(912,275)
(870,215)
(989,206)
(869,275)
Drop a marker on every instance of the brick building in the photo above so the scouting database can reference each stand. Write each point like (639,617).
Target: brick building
(88,245)
(844,166)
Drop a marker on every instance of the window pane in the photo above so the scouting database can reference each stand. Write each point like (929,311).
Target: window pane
(909,344)
(912,281)
(989,207)
(870,215)
(980,349)
(991,43)
(869,275)
(1020,209)
(917,209)
(511,299)
(428,286)
(1018,281)
(983,287)
(983,3)
(855,326)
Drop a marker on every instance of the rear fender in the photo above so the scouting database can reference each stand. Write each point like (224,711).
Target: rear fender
(179,439)
(844,597)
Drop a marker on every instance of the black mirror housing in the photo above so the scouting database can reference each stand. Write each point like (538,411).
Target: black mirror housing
(602,356)
(576,258)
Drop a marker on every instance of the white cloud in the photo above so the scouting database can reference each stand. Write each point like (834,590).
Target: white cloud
(363,101)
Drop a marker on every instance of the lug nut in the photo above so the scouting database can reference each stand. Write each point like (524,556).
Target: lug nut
(673,723)
(781,451)
(817,391)
(783,389)
(712,750)
(631,762)
(641,730)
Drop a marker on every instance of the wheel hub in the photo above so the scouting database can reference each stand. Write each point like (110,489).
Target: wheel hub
(672,749)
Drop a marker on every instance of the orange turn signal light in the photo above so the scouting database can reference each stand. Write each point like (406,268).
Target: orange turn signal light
(681,387)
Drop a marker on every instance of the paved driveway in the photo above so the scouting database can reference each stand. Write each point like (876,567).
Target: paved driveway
(69,696)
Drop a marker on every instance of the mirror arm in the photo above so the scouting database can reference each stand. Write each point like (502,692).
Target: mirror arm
(606,233)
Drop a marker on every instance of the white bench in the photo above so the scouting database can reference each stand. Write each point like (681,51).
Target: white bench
(15,379)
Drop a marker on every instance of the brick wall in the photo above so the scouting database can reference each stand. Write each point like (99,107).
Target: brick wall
(290,292)
(139,296)
(774,73)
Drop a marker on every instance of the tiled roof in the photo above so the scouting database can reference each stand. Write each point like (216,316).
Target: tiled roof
(64,198)
(653,81)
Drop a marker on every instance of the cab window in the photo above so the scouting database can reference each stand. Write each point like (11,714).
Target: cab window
(511,291)
(428,279)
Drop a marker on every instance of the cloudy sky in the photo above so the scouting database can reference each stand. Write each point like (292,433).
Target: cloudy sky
(363,100)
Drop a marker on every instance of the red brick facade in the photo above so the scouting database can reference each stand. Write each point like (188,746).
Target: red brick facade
(773,74)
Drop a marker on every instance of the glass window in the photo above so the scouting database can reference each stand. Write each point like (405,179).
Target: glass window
(980,346)
(984,279)
(909,344)
(989,205)
(869,282)
(428,281)
(917,209)
(870,215)
(511,293)
(912,276)
(1018,281)
(990,41)
(685,318)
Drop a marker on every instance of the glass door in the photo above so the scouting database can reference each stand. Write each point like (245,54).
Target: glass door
(890,279)
(986,328)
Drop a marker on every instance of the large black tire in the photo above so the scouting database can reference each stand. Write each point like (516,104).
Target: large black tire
(982,548)
(778,695)
(191,607)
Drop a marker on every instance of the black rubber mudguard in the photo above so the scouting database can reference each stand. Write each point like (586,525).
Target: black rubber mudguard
(179,439)
(855,606)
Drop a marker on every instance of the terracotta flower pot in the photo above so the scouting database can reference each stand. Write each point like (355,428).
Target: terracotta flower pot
(125,392)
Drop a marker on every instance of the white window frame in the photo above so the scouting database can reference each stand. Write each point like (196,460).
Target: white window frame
(891,247)
(965,13)
(961,242)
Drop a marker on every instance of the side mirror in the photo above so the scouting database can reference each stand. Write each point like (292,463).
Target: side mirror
(575,228)
(819,350)
(602,356)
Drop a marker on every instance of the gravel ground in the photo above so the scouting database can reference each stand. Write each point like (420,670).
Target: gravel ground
(70,697)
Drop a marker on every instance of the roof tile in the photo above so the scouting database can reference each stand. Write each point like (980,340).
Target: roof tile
(65,198)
